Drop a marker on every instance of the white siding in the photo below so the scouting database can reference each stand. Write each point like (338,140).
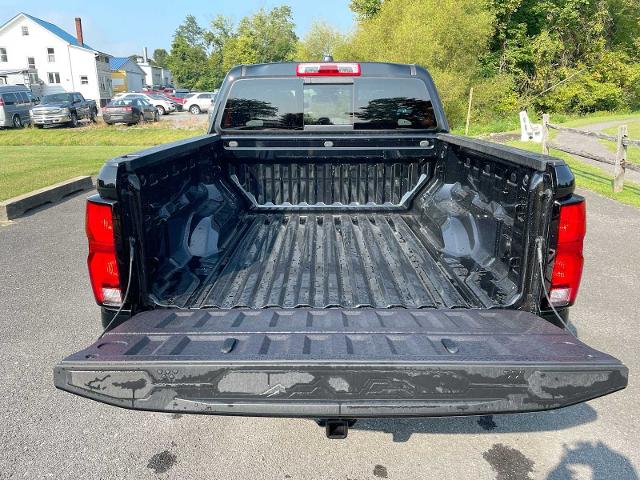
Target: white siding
(154,75)
(35,45)
(135,77)
(167,77)
(83,63)
(70,62)
(135,81)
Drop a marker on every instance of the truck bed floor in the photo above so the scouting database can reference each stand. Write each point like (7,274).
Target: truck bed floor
(325,260)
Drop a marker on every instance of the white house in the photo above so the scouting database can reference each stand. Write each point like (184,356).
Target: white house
(126,74)
(155,76)
(49,59)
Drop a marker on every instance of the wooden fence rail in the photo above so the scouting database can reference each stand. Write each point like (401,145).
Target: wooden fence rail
(620,163)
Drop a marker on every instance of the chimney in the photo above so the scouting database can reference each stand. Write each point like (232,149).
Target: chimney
(145,55)
(79,31)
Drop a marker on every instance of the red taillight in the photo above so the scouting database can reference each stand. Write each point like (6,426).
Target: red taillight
(567,268)
(102,262)
(1,101)
(328,70)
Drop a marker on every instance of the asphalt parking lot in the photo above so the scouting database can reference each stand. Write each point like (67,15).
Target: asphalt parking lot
(184,119)
(47,312)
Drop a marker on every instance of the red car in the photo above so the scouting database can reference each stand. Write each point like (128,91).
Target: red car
(177,100)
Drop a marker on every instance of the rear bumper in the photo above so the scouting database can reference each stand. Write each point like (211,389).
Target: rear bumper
(341,391)
(339,363)
(123,118)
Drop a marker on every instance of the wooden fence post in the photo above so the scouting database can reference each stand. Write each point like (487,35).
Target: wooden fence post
(621,159)
(545,134)
(466,129)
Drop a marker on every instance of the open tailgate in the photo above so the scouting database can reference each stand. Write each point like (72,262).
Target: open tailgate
(340,363)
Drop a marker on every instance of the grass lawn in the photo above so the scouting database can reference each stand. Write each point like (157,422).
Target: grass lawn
(27,168)
(512,123)
(598,117)
(634,134)
(98,135)
(32,158)
(591,178)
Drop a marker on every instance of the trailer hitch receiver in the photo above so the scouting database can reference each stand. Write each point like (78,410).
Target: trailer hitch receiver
(337,429)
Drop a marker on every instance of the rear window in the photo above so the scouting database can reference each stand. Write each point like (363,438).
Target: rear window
(56,97)
(358,104)
(9,98)
(122,103)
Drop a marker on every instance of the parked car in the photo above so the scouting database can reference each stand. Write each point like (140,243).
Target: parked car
(177,104)
(129,111)
(199,102)
(15,103)
(329,250)
(63,108)
(180,92)
(163,105)
(177,101)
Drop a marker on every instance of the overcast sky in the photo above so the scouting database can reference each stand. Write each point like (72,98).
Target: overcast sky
(122,28)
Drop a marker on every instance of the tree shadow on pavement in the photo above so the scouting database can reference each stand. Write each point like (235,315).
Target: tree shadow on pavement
(402,428)
(603,462)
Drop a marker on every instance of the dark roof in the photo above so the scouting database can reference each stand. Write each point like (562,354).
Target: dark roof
(57,31)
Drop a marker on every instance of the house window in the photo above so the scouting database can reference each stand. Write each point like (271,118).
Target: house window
(51,54)
(84,80)
(33,79)
(25,30)
(31,62)
(54,77)
(3,54)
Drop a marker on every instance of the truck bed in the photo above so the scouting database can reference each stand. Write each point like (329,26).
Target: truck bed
(324,260)
(374,232)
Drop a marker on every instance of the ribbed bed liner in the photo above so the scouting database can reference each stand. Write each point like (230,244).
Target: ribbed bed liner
(377,260)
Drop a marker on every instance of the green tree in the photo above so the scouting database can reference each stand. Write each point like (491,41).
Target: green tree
(191,32)
(219,33)
(445,36)
(320,40)
(160,57)
(560,53)
(266,36)
(189,58)
(365,9)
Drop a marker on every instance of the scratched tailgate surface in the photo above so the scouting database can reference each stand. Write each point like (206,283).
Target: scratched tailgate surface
(326,363)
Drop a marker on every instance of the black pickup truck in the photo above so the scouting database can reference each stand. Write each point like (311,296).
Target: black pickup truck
(328,250)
